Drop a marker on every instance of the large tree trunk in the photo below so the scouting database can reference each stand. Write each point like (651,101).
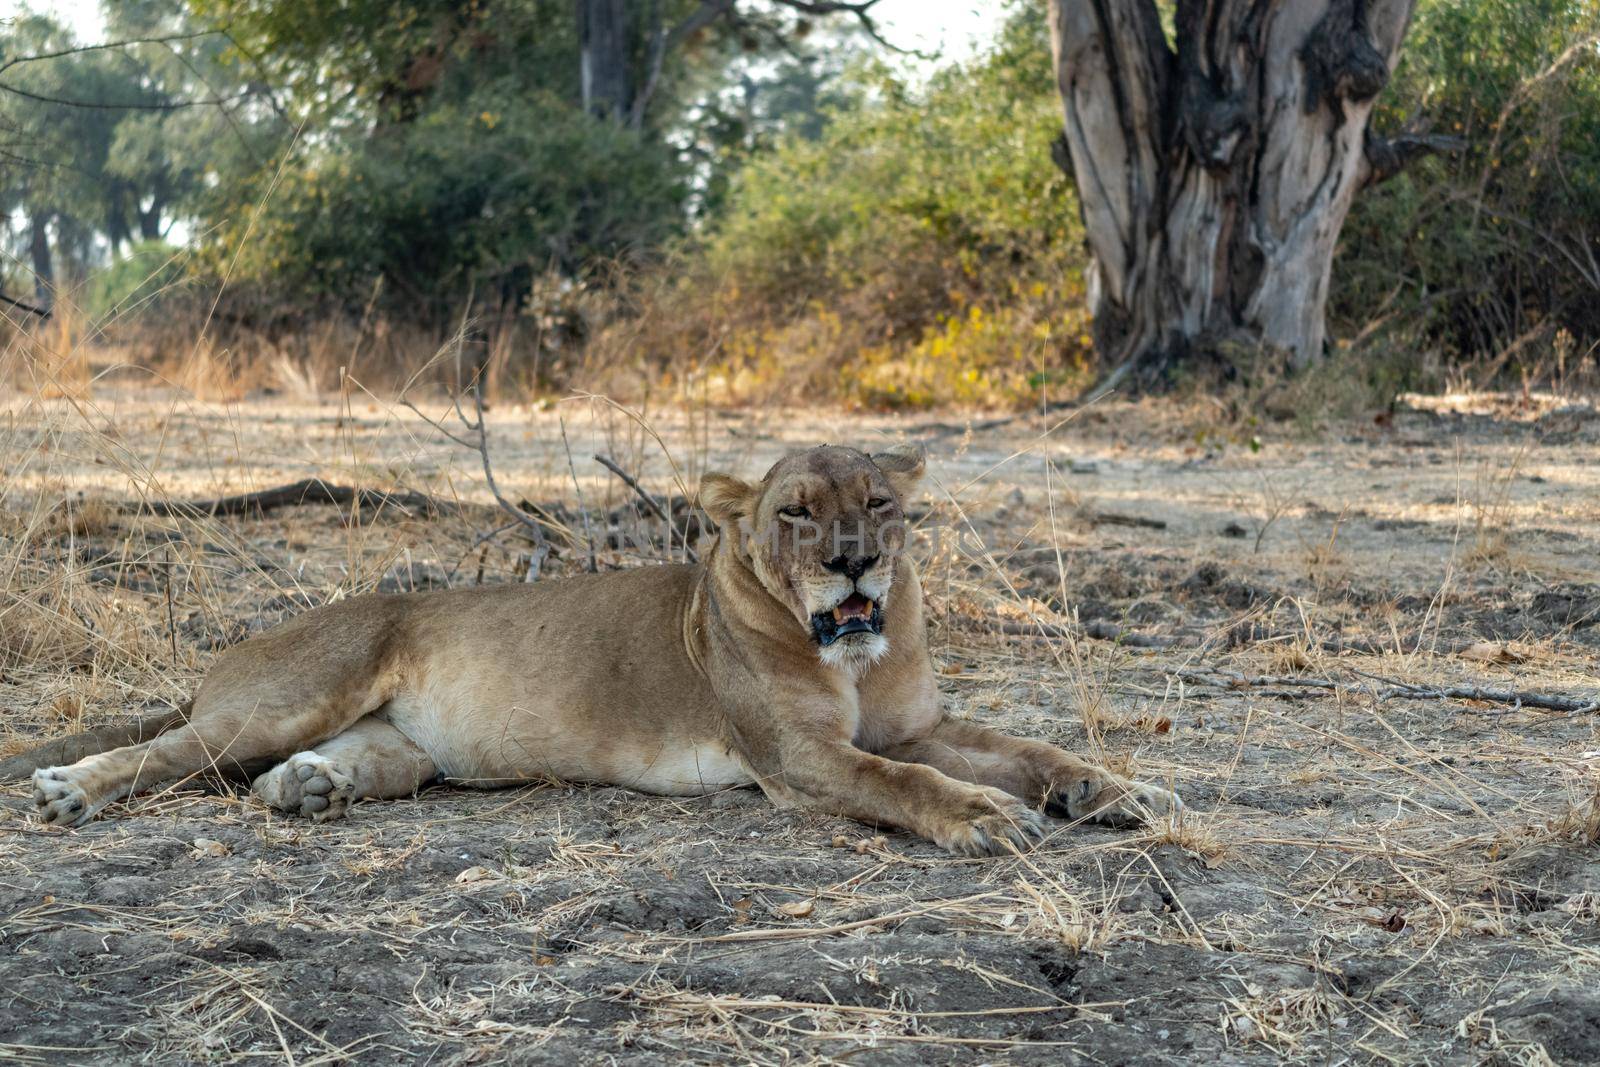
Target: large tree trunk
(39,252)
(150,219)
(1215,176)
(604,60)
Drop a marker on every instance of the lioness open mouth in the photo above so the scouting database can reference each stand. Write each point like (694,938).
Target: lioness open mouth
(855,614)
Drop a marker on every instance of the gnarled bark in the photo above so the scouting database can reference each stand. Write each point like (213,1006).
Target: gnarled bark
(1215,174)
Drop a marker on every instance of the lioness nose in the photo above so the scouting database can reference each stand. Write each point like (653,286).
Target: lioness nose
(854,567)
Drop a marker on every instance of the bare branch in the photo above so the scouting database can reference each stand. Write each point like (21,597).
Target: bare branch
(1387,156)
(170,105)
(649,501)
(477,439)
(43,313)
(709,11)
(863,13)
(1516,699)
(168,39)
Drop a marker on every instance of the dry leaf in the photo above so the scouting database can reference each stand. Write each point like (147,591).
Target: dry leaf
(475,874)
(205,847)
(1492,652)
(797,909)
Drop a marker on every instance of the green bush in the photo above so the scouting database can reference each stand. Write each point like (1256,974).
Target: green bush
(925,237)
(129,285)
(1495,248)
(477,196)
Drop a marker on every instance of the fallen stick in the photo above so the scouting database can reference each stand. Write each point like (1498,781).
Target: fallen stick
(295,494)
(1243,635)
(1513,698)
(1234,678)
(1111,518)
(1239,637)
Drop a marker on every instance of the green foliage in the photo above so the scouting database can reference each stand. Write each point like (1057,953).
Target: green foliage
(958,171)
(445,156)
(931,220)
(1472,252)
(131,284)
(98,148)
(466,197)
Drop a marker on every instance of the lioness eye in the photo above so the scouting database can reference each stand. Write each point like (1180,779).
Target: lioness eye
(795,511)
(877,502)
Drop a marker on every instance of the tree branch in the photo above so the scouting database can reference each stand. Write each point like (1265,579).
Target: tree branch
(1516,699)
(17,61)
(863,13)
(43,313)
(170,105)
(650,501)
(710,11)
(1387,156)
(478,440)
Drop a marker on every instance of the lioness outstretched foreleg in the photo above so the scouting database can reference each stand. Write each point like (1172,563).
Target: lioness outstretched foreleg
(370,761)
(840,779)
(1037,772)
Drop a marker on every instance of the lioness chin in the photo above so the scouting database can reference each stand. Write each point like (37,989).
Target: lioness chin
(794,657)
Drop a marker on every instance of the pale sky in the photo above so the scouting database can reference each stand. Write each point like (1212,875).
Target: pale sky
(950,27)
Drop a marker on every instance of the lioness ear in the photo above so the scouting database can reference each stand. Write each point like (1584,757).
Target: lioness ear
(726,498)
(904,466)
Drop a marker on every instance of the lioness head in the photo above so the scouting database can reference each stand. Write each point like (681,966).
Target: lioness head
(823,531)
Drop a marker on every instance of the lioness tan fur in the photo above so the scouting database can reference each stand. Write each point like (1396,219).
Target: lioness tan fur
(675,680)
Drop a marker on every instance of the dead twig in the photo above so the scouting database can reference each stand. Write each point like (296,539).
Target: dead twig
(1209,675)
(643,495)
(1242,636)
(1396,690)
(583,509)
(477,439)
(1516,698)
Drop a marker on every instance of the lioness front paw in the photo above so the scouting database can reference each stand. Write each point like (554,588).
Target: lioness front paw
(1114,802)
(61,798)
(308,785)
(994,821)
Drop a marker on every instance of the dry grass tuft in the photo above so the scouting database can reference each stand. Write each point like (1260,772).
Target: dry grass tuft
(1581,820)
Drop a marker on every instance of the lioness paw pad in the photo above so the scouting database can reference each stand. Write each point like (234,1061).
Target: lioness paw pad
(61,800)
(309,785)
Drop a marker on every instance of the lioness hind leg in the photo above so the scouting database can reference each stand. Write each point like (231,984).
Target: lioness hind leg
(276,694)
(371,760)
(1040,773)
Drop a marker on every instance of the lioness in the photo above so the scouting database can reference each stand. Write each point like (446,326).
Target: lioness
(793,658)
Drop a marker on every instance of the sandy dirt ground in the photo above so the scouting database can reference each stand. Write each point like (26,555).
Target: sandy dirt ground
(1312,634)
